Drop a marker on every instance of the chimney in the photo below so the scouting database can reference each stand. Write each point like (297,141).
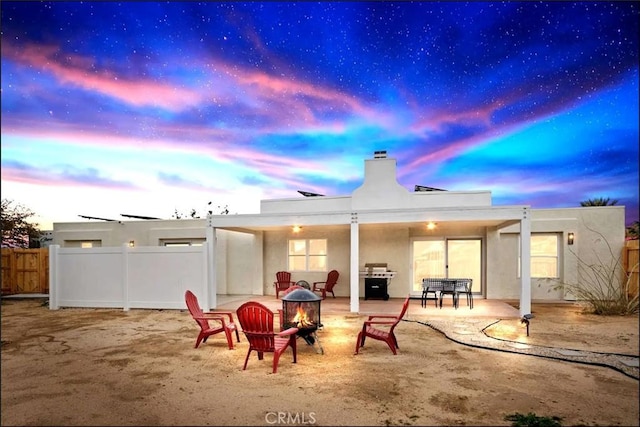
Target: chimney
(380,183)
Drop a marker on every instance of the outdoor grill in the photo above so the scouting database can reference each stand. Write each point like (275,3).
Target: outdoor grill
(377,277)
(301,309)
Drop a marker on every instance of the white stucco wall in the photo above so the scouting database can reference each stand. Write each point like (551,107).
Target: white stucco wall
(116,233)
(381,189)
(589,246)
(275,257)
(306,205)
(239,266)
(390,245)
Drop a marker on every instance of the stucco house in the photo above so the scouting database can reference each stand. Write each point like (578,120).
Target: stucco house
(510,252)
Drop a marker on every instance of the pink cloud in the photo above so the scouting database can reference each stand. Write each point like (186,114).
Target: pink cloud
(26,174)
(81,72)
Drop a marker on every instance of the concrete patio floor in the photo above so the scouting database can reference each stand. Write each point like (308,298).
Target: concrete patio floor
(341,305)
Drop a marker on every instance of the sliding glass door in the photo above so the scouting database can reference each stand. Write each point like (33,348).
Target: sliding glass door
(447,258)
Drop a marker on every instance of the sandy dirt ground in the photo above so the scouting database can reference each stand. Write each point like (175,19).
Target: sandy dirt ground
(73,367)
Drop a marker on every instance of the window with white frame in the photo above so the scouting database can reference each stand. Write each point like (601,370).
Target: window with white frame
(544,255)
(176,242)
(307,255)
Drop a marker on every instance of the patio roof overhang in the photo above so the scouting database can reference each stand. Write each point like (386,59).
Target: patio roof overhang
(489,216)
(492,216)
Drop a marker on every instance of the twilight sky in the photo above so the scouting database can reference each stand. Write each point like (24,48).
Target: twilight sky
(146,108)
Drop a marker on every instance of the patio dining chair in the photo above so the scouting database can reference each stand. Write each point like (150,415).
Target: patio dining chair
(449,288)
(463,286)
(431,289)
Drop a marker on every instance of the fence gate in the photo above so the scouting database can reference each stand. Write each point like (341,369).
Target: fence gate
(25,271)
(630,264)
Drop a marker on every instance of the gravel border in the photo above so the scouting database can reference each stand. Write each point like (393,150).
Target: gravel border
(471,332)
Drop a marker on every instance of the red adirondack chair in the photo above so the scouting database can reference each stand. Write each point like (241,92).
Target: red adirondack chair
(291,289)
(371,329)
(257,324)
(327,286)
(224,321)
(283,282)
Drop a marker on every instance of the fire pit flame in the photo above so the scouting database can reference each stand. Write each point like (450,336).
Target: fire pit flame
(301,319)
(301,309)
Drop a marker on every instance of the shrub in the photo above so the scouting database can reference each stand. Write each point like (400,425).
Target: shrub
(532,420)
(604,286)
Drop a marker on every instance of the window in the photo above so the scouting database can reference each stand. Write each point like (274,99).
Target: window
(82,244)
(447,258)
(544,256)
(308,255)
(173,242)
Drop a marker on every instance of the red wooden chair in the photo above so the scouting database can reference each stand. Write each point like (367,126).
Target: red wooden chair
(256,321)
(324,287)
(291,289)
(223,319)
(371,329)
(283,282)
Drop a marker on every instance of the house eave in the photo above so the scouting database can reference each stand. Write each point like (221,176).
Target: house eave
(487,216)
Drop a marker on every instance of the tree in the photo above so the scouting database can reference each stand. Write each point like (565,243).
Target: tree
(17,232)
(599,201)
(633,231)
(193,214)
(605,286)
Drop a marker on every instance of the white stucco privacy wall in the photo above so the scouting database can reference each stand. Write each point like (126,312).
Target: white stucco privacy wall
(124,277)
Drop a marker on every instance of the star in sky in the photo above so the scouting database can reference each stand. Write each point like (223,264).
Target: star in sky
(158,107)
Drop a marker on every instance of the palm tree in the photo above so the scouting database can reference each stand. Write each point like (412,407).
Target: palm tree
(599,201)
(633,231)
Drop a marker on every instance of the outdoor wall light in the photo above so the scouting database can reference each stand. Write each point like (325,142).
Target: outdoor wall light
(297,228)
(431,225)
(570,238)
(131,243)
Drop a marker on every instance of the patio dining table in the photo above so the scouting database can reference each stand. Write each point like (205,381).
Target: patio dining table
(436,288)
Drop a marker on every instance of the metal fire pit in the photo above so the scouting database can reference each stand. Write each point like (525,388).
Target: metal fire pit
(301,309)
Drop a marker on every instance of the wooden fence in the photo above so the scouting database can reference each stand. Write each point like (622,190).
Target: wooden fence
(630,264)
(25,271)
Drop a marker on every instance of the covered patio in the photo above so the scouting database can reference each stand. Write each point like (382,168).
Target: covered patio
(341,305)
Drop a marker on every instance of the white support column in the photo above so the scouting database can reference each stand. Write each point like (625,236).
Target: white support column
(125,276)
(210,291)
(53,277)
(354,264)
(525,261)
